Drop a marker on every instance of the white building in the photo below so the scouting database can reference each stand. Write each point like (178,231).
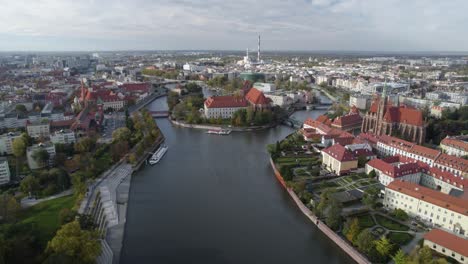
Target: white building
(405,169)
(454,146)
(63,137)
(6,142)
(4,171)
(265,87)
(431,206)
(279,99)
(223,106)
(49,147)
(38,129)
(360,101)
(448,244)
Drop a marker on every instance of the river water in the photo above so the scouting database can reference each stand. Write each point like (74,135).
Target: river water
(215,199)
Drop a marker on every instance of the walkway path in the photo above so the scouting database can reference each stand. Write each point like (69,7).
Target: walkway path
(26,202)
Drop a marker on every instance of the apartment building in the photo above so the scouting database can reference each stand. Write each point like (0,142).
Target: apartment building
(38,129)
(32,163)
(6,142)
(63,137)
(4,171)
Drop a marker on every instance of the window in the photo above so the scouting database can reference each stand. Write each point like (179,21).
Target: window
(443,250)
(434,246)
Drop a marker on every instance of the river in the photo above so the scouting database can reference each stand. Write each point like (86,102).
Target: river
(214,199)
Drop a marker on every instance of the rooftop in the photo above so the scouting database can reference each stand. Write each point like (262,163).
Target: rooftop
(448,240)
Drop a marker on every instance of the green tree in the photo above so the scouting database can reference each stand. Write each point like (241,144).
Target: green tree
(20,108)
(9,208)
(370,197)
(425,255)
(74,242)
(362,160)
(41,156)
(365,241)
(85,144)
(383,246)
(19,150)
(400,257)
(400,214)
(333,219)
(121,134)
(372,174)
(353,230)
(29,185)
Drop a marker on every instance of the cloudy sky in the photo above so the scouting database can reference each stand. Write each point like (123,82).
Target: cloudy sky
(364,25)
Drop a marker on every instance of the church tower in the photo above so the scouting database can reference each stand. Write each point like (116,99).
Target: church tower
(382,108)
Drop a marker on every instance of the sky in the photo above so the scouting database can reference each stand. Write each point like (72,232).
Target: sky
(316,25)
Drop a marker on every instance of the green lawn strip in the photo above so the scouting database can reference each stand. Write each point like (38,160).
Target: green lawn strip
(366,221)
(390,224)
(45,216)
(400,238)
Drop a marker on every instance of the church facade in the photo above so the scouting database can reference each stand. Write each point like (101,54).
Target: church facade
(384,118)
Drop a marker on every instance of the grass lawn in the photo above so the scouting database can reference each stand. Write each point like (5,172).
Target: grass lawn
(45,216)
(390,224)
(366,221)
(400,238)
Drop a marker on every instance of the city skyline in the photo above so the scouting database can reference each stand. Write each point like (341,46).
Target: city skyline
(317,25)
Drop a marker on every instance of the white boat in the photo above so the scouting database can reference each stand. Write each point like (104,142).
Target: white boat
(219,131)
(156,157)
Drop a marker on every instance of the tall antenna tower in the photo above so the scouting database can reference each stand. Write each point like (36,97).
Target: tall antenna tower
(258,55)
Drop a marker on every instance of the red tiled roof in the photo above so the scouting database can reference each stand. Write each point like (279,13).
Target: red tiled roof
(449,241)
(453,162)
(396,142)
(431,196)
(445,176)
(455,143)
(340,153)
(136,87)
(394,171)
(403,115)
(347,120)
(323,119)
(225,101)
(256,97)
(425,152)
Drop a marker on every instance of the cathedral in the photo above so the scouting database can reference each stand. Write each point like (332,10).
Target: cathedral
(384,118)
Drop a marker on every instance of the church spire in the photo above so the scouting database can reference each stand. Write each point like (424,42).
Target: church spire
(385,89)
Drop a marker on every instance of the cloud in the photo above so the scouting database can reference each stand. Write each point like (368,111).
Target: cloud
(215,24)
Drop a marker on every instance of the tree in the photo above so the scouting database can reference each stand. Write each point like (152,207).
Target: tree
(30,185)
(19,149)
(372,174)
(21,108)
(370,197)
(383,246)
(400,214)
(333,219)
(85,145)
(121,134)
(362,160)
(425,255)
(400,257)
(353,230)
(41,156)
(74,242)
(9,208)
(365,241)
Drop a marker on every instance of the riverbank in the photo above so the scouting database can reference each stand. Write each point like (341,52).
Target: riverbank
(351,251)
(212,127)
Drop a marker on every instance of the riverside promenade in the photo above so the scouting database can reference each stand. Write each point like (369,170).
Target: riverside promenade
(351,251)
